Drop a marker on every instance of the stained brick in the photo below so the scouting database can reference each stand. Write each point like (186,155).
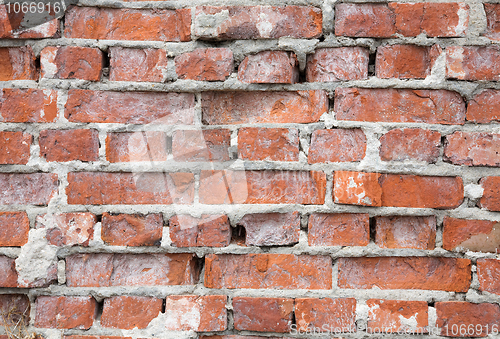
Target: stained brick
(209,230)
(337,64)
(342,229)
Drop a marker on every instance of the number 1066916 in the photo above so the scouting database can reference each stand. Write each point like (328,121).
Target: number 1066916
(34,7)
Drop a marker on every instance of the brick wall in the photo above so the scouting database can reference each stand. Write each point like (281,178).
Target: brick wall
(174,169)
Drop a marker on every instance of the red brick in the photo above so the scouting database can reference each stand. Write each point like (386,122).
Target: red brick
(196,313)
(209,230)
(27,189)
(421,273)
(129,108)
(459,318)
(65,312)
(406,232)
(101,188)
(68,229)
(337,64)
(397,190)
(471,235)
(205,145)
(337,145)
(134,64)
(488,274)
(225,108)
(484,107)
(472,149)
(405,61)
(393,316)
(14,148)
(271,229)
(14,229)
(205,64)
(17,63)
(8,278)
(343,229)
(492,20)
(128,24)
(473,63)
(262,187)
(94,337)
(71,62)
(126,312)
(68,145)
(491,195)
(15,309)
(28,105)
(277,271)
(257,22)
(136,146)
(103,269)
(14,29)
(407,19)
(399,105)
(410,144)
(274,144)
(262,314)
(269,67)
(326,315)
(132,229)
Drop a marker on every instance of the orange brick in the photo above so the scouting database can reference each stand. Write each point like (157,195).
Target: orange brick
(337,145)
(405,232)
(262,314)
(343,229)
(15,148)
(206,313)
(269,67)
(274,144)
(209,230)
(17,63)
(205,64)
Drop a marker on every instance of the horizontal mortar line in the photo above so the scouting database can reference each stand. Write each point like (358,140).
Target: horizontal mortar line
(182,4)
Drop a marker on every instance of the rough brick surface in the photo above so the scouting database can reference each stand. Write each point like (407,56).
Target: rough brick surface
(275,144)
(133,64)
(65,312)
(410,144)
(205,64)
(471,235)
(68,229)
(271,229)
(16,29)
(136,146)
(473,149)
(405,232)
(397,316)
(423,273)
(196,313)
(27,189)
(484,107)
(463,314)
(126,312)
(28,105)
(209,230)
(14,229)
(18,306)
(488,274)
(330,315)
(337,145)
(493,21)
(205,145)
(491,195)
(14,148)
(68,145)
(343,229)
(473,63)
(282,271)
(9,276)
(263,314)
(274,67)
(17,64)
(71,62)
(131,229)
(405,61)
(337,64)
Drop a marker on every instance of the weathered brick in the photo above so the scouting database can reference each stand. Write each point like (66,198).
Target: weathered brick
(238,337)
(342,229)
(491,194)
(397,316)
(262,187)
(27,189)
(17,63)
(422,273)
(16,29)
(327,315)
(460,318)
(65,312)
(471,235)
(94,337)
(71,62)
(129,108)
(15,309)
(196,313)
(473,63)
(337,145)
(410,144)
(127,312)
(262,314)
(472,149)
(128,24)
(488,274)
(134,64)
(209,230)
(8,278)
(132,229)
(274,144)
(337,64)
(492,21)
(405,61)
(28,105)
(103,269)
(101,188)
(204,145)
(269,67)
(205,64)
(285,271)
(14,229)
(399,105)
(406,232)
(14,148)
(397,190)
(136,146)
(68,229)
(222,108)
(257,22)
(68,145)
(484,107)
(271,229)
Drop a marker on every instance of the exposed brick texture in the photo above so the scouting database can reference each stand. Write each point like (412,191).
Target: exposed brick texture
(410,144)
(337,64)
(274,67)
(389,316)
(205,64)
(65,312)
(67,145)
(15,148)
(405,232)
(275,144)
(131,229)
(132,64)
(17,64)
(71,62)
(339,229)
(209,230)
